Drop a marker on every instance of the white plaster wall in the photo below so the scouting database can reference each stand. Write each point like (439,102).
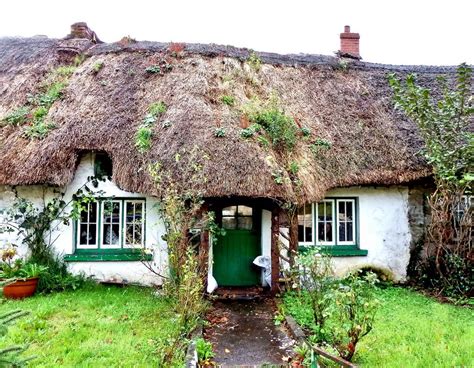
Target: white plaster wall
(266,238)
(384,229)
(133,272)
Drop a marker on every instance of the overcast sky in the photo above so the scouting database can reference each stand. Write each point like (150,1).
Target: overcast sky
(392,31)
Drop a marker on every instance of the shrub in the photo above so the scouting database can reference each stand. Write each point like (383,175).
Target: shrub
(337,312)
(352,312)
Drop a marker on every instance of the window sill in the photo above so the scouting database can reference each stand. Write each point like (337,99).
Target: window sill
(107,255)
(338,251)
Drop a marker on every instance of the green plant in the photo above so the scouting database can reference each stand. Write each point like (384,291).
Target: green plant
(79,59)
(263,141)
(97,67)
(228,100)
(215,231)
(159,69)
(247,133)
(278,176)
(36,225)
(353,312)
(254,61)
(157,108)
(143,138)
(204,351)
(65,71)
(306,131)
(18,116)
(39,130)
(444,120)
(280,127)
(293,168)
(153,69)
(320,144)
(219,132)
(11,355)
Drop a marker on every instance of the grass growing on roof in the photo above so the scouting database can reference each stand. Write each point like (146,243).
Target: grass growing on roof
(410,330)
(97,326)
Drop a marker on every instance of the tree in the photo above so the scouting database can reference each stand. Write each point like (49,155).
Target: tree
(445,119)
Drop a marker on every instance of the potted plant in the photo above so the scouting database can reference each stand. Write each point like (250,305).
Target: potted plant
(21,277)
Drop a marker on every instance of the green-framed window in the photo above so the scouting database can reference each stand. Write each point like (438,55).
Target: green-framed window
(110,229)
(332,224)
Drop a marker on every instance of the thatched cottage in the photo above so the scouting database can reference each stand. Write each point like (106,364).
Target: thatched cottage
(353,166)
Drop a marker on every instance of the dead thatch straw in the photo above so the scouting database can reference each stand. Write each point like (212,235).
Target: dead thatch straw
(102,108)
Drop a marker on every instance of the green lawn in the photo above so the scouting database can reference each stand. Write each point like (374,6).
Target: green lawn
(412,330)
(94,327)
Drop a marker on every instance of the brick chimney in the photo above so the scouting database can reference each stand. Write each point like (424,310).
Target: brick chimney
(349,44)
(81,30)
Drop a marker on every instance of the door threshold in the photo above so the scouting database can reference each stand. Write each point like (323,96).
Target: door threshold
(240,293)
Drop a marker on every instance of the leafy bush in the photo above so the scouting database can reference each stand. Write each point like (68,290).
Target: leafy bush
(352,313)
(337,312)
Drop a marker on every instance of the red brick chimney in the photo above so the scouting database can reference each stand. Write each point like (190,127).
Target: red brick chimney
(349,44)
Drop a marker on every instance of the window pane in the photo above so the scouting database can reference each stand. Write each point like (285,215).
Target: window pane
(325,221)
(83,236)
(244,211)
(111,234)
(245,223)
(134,223)
(87,233)
(84,216)
(328,228)
(350,233)
(229,211)
(229,223)
(93,212)
(305,224)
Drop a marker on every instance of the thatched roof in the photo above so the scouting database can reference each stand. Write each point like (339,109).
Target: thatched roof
(351,107)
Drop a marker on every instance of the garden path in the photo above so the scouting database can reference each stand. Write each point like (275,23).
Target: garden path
(243,333)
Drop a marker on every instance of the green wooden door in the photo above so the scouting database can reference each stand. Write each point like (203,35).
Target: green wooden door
(234,253)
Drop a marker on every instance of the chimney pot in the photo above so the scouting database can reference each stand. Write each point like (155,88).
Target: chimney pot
(349,44)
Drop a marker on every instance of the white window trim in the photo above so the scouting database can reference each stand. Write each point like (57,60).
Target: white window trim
(78,230)
(142,243)
(313,232)
(102,223)
(324,243)
(339,242)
